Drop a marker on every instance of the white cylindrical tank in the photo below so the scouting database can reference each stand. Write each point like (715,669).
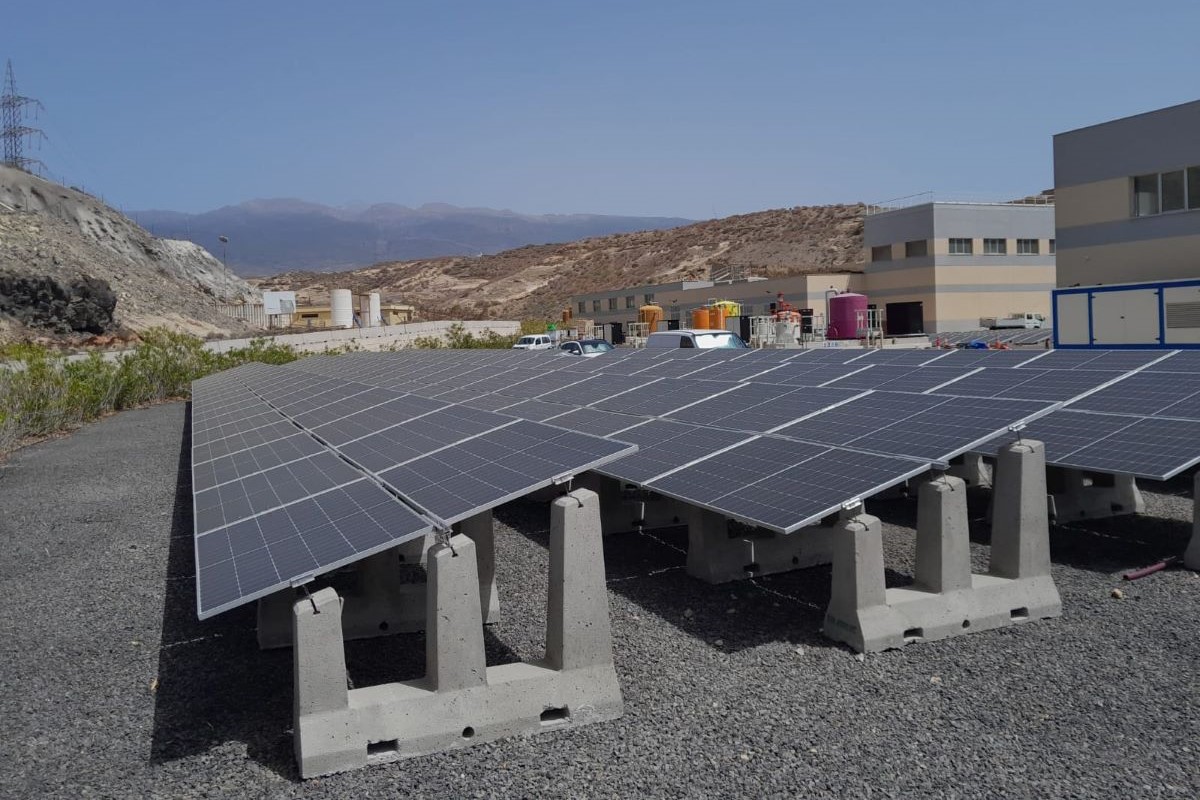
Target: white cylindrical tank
(341,306)
(376,319)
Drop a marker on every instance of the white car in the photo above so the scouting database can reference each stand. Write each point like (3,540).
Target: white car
(538,341)
(588,348)
(692,337)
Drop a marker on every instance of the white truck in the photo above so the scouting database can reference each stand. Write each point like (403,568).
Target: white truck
(1026,320)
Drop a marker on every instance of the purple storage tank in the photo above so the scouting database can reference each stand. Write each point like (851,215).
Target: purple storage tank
(844,313)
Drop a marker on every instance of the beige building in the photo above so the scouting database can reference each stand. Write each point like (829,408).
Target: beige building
(318,317)
(937,267)
(1128,196)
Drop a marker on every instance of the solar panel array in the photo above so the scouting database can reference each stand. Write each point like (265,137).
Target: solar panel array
(1005,336)
(797,419)
(295,475)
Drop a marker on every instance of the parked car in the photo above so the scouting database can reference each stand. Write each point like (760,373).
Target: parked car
(588,348)
(538,341)
(703,339)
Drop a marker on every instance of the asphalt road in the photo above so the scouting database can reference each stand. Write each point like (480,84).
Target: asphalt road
(110,687)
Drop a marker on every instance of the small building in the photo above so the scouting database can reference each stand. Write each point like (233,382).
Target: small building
(938,267)
(1128,197)
(319,317)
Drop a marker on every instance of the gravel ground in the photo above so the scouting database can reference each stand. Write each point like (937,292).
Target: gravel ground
(109,687)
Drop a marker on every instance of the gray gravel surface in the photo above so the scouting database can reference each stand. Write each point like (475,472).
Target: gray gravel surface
(109,687)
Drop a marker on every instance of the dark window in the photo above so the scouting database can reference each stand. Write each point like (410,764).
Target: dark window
(595,305)
(1027,247)
(881,252)
(1145,195)
(995,247)
(1172,192)
(1193,187)
(648,298)
(962,247)
(612,304)
(629,301)
(916,248)
(685,341)
(583,306)
(1051,247)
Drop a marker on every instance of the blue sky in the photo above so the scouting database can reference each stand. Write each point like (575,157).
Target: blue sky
(695,109)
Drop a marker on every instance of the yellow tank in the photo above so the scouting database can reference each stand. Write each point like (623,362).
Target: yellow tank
(651,315)
(700,318)
(729,307)
(716,317)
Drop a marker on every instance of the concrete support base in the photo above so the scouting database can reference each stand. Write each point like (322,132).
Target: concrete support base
(1191,556)
(717,554)
(945,599)
(462,701)
(1080,495)
(385,599)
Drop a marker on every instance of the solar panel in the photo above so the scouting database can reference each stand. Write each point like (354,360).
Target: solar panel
(987,382)
(1147,393)
(258,556)
(597,423)
(1064,359)
(664,445)
(536,410)
(784,485)
(747,410)
(1179,361)
(496,466)
(662,397)
(594,389)
(1152,448)
(860,417)
(243,463)
(1065,432)
(796,373)
(1057,385)
(899,378)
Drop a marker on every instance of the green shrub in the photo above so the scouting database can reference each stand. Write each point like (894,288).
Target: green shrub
(42,393)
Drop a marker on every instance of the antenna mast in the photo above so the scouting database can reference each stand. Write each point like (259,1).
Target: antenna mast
(13,130)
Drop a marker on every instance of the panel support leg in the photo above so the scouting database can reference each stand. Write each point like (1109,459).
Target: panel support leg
(1191,557)
(480,529)
(319,672)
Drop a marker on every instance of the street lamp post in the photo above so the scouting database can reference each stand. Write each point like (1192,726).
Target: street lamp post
(224,243)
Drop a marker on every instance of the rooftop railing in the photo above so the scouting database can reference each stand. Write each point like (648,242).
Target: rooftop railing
(922,198)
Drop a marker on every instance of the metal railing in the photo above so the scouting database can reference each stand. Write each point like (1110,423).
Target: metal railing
(922,198)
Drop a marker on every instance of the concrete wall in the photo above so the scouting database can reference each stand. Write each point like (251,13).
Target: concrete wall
(1099,239)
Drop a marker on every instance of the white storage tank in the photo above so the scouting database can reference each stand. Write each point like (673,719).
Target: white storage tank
(375,320)
(341,307)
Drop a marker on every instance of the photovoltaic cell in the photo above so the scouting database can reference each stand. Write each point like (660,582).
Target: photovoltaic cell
(1147,393)
(663,446)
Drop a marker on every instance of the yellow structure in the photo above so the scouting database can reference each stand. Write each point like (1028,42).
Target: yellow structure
(318,317)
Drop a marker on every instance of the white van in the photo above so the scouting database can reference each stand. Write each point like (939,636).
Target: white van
(703,339)
(538,341)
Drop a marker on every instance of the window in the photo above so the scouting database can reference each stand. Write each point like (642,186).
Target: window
(583,306)
(961,247)
(1164,192)
(1027,247)
(1172,198)
(881,252)
(629,301)
(1050,249)
(648,298)
(995,247)
(1145,195)
(612,304)
(595,305)
(916,248)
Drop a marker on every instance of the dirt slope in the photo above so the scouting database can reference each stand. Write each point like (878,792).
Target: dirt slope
(536,281)
(53,235)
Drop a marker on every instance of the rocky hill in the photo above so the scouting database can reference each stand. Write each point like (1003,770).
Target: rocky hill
(268,236)
(536,281)
(71,264)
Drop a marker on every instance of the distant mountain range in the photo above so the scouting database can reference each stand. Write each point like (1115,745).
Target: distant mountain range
(271,236)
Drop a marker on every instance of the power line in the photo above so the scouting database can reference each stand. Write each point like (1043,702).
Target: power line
(14,131)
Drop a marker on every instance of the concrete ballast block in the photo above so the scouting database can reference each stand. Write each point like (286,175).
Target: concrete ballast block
(945,599)
(461,701)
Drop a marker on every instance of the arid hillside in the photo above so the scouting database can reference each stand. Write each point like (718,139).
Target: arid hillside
(536,281)
(71,265)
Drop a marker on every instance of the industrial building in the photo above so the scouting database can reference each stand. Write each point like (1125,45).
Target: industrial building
(1128,195)
(930,267)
